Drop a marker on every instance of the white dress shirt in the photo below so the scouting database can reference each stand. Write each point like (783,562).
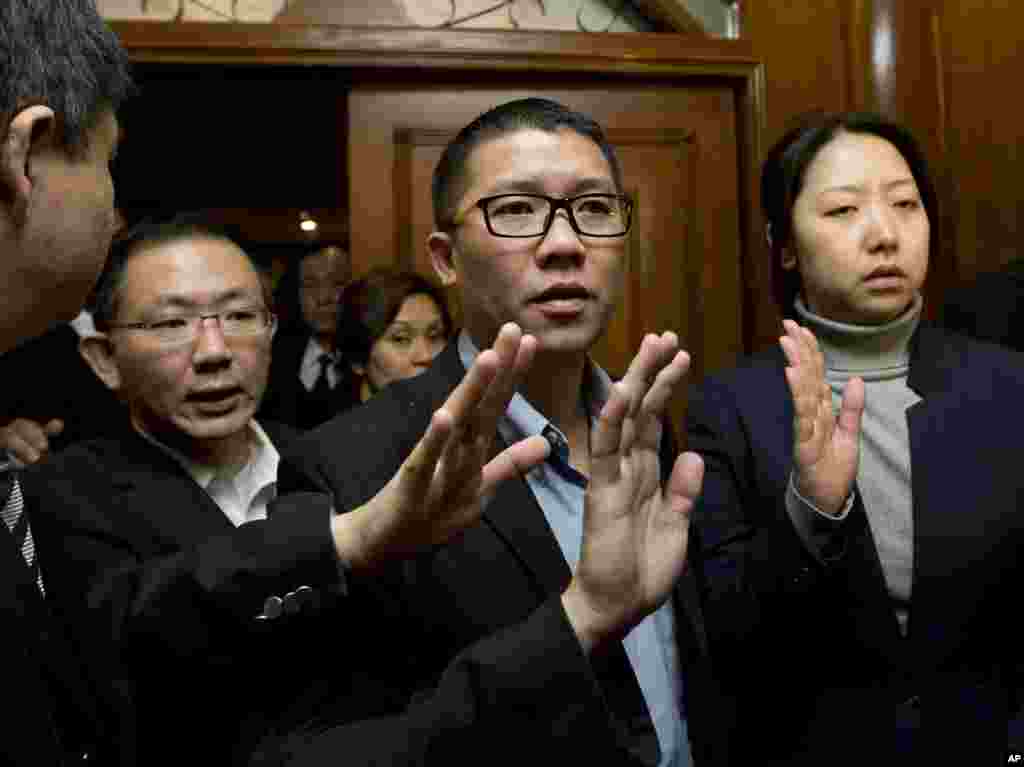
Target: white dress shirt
(242,494)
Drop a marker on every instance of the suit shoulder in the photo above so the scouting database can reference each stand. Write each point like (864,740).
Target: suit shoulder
(754,370)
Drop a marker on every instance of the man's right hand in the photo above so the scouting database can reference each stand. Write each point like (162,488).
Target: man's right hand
(27,441)
(441,487)
(635,530)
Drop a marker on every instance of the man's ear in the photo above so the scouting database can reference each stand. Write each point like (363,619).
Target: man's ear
(27,131)
(98,351)
(442,252)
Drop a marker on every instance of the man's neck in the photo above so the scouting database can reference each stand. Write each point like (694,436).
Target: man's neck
(326,340)
(229,453)
(553,387)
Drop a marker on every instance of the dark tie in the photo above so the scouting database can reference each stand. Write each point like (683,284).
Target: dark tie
(16,519)
(558,458)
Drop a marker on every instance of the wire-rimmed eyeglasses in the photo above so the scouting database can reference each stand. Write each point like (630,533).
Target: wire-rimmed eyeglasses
(183,328)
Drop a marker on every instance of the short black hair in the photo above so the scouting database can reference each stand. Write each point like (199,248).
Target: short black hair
(145,234)
(370,304)
(782,178)
(510,117)
(60,53)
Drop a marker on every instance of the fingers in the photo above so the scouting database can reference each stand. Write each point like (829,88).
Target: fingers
(812,398)
(655,402)
(514,461)
(643,392)
(25,440)
(685,482)
(472,388)
(515,354)
(418,468)
(655,353)
(54,427)
(607,432)
(851,411)
(462,429)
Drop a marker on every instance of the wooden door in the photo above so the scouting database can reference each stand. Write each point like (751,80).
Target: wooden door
(680,155)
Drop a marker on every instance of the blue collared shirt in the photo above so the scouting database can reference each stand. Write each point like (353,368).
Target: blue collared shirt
(651,645)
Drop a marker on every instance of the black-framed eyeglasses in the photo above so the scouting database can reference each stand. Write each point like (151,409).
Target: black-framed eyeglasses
(183,328)
(530,215)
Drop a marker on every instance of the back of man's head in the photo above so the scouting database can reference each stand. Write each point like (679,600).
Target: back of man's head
(61,54)
(450,181)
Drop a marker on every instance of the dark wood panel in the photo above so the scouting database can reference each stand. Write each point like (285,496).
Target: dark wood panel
(805,51)
(984,131)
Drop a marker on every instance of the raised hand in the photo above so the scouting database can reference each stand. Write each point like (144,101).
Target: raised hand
(27,441)
(634,531)
(439,489)
(826,447)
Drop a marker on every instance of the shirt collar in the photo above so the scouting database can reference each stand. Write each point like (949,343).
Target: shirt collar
(311,357)
(261,466)
(521,419)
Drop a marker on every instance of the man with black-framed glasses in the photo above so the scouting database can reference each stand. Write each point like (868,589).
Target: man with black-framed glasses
(575,574)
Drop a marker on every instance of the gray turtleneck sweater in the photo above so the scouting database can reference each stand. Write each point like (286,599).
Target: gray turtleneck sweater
(879,354)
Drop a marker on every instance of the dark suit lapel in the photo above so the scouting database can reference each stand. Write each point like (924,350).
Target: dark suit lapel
(933,362)
(155,489)
(867,595)
(513,512)
(951,523)
(517,518)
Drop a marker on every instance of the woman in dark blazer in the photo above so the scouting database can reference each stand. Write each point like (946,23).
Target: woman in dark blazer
(862,503)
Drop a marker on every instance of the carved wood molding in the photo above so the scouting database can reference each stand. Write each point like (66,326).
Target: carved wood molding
(670,15)
(622,52)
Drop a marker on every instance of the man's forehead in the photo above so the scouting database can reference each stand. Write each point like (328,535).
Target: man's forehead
(213,260)
(531,157)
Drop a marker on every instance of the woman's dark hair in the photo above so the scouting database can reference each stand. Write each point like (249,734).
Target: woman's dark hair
(782,178)
(370,304)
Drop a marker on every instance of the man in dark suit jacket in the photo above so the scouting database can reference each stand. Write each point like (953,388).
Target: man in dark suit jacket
(226,604)
(54,398)
(64,76)
(541,561)
(308,382)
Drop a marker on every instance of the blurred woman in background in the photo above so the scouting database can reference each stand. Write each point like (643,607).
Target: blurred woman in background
(391,325)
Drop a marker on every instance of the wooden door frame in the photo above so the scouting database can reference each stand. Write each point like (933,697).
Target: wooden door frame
(401,54)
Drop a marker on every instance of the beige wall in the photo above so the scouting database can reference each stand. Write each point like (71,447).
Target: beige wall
(591,15)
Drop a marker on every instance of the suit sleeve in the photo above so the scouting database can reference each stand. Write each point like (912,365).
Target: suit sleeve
(101,560)
(516,694)
(757,572)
